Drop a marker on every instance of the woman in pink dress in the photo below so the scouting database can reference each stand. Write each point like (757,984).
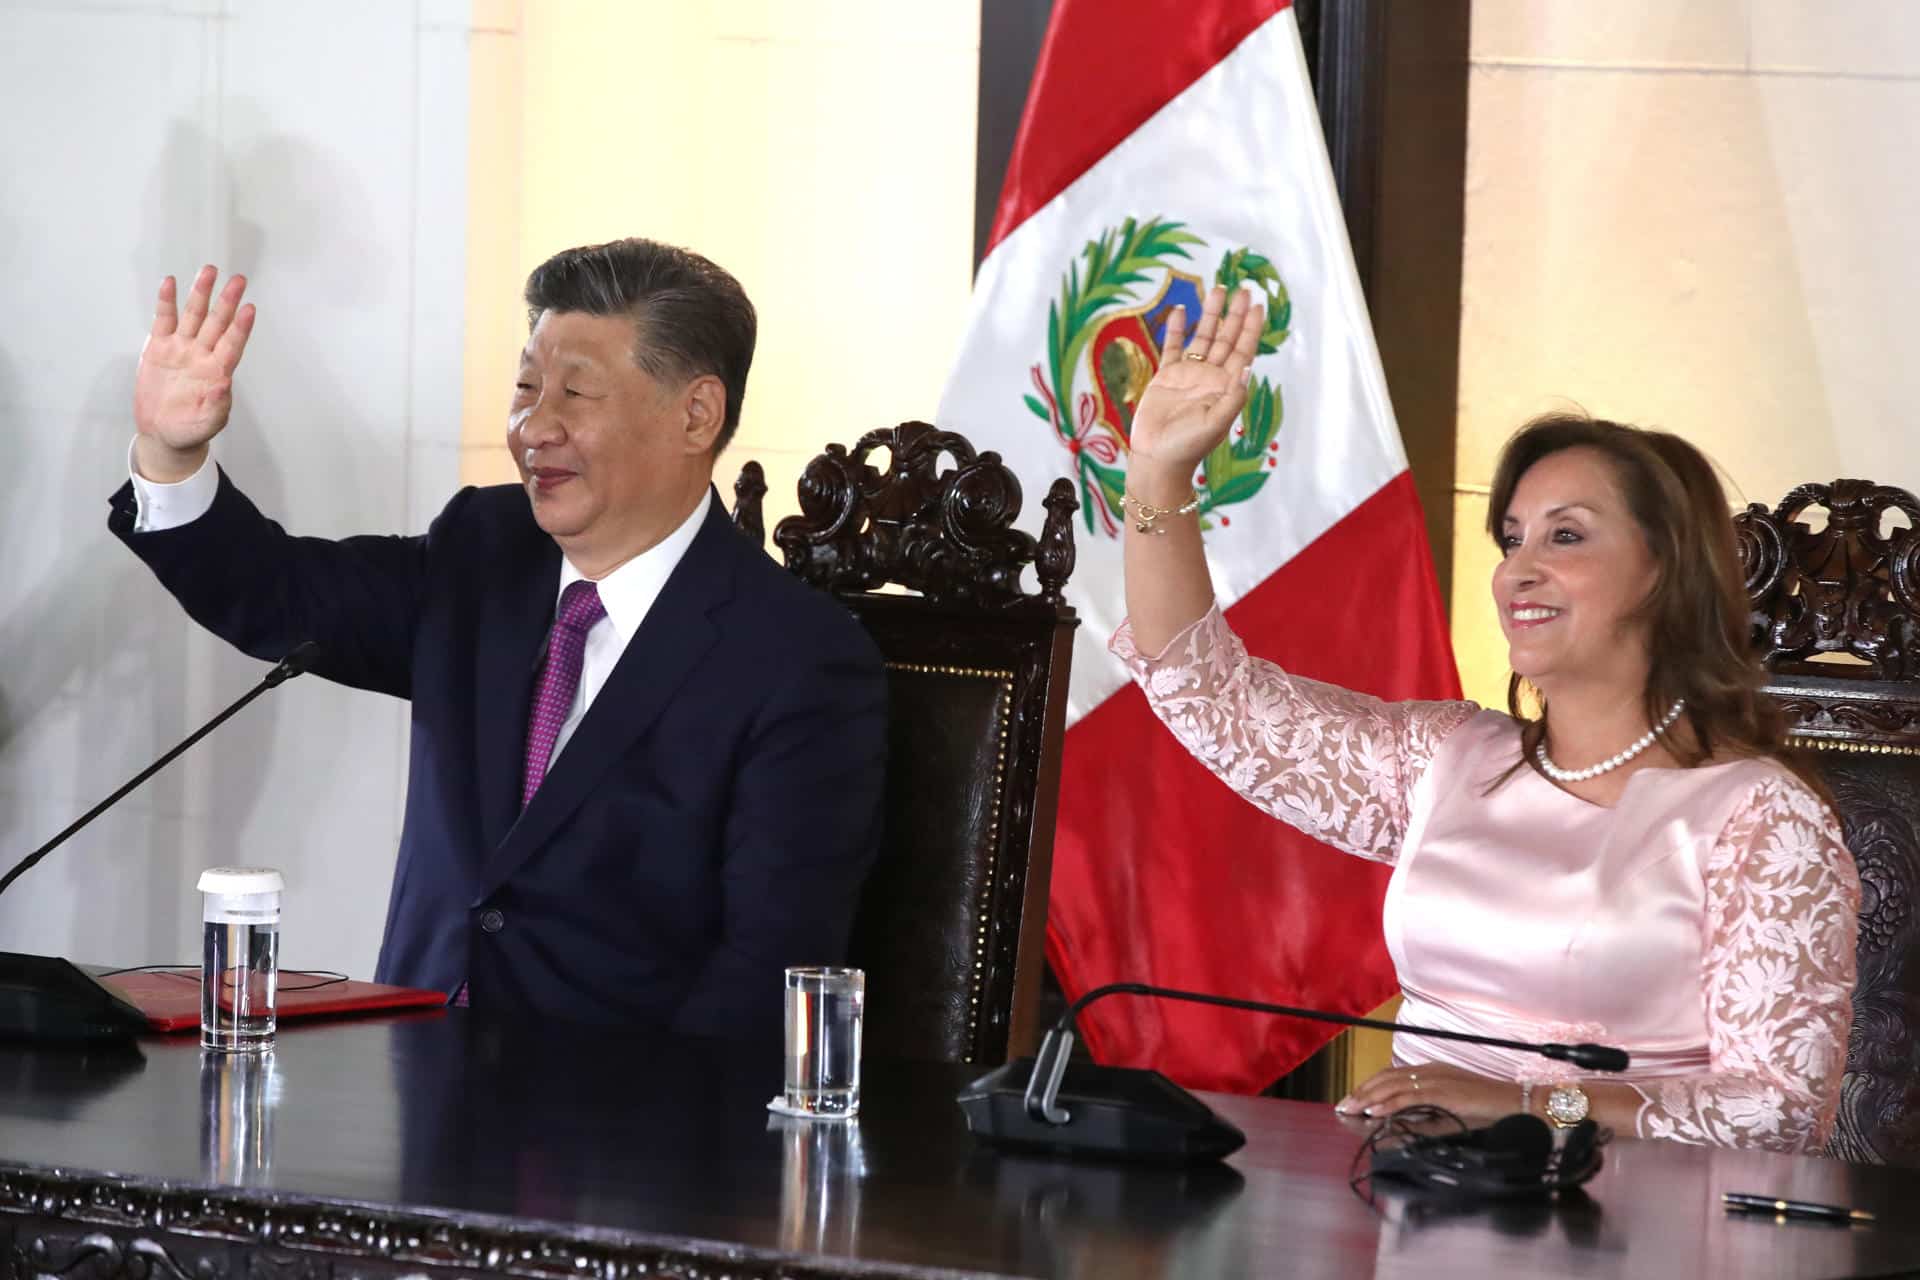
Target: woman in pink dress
(1627,857)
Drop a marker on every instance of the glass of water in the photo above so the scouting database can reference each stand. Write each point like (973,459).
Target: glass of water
(825,1009)
(239,957)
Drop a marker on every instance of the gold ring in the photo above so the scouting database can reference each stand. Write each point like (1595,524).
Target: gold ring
(1194,355)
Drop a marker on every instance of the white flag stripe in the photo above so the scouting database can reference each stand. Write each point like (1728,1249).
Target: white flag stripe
(1260,182)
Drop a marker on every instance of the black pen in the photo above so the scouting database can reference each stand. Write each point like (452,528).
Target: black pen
(1742,1202)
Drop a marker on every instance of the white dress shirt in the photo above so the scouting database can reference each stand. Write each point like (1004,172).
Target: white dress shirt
(627,593)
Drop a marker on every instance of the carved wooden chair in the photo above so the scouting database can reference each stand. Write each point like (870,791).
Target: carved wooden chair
(951,924)
(1836,613)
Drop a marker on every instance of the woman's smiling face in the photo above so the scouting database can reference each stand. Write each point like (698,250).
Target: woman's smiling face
(1574,569)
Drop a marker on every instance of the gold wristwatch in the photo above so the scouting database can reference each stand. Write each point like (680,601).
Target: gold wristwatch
(1567,1105)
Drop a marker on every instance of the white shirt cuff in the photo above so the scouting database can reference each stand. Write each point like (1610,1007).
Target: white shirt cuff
(168,506)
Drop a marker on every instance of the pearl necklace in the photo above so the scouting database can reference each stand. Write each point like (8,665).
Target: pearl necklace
(1614,761)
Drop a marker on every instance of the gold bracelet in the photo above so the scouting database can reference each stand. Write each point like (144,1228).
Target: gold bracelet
(1146,516)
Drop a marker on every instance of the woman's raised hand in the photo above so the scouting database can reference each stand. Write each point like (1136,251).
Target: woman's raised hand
(1192,401)
(183,389)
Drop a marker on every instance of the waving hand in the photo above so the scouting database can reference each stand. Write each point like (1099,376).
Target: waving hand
(183,390)
(1200,388)
(1187,409)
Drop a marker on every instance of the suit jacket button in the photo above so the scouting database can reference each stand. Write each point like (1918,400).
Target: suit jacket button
(492,920)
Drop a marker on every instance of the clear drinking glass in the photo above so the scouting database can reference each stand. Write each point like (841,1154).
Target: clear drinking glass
(239,958)
(825,1010)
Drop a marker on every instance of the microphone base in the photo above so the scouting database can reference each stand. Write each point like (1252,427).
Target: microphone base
(46,1000)
(1114,1113)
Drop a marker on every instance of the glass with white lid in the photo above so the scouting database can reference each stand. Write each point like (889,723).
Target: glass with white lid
(239,958)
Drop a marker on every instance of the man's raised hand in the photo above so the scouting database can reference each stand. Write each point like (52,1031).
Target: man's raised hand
(183,389)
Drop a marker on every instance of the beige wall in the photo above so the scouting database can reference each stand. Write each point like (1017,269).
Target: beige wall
(1693,214)
(822,152)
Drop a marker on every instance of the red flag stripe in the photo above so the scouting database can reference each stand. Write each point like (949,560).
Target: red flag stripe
(1101,76)
(1162,874)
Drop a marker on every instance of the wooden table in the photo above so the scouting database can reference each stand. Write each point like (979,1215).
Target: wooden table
(440,1144)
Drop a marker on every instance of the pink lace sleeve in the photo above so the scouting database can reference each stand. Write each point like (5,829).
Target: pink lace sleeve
(1783,899)
(1338,765)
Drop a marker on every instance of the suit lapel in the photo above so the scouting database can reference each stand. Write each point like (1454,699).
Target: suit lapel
(513,627)
(670,643)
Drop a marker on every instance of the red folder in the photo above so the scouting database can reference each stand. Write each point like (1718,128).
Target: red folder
(171,997)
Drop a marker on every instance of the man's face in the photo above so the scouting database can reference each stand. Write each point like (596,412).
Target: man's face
(612,458)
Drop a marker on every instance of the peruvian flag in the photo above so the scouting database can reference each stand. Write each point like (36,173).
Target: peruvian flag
(1168,145)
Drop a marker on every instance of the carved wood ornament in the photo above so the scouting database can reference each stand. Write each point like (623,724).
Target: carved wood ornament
(1848,588)
(948,535)
(1852,589)
(97,1227)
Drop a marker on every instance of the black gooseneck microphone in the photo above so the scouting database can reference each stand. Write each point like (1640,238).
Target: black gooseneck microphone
(1047,1103)
(44,998)
(300,658)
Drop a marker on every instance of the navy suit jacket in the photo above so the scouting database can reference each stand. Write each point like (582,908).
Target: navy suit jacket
(710,821)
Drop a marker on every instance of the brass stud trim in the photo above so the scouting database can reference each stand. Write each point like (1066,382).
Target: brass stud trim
(1805,742)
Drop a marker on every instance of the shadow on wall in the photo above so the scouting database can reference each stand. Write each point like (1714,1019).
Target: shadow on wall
(95,628)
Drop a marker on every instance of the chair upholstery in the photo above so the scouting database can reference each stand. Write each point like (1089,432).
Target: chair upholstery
(1836,615)
(951,924)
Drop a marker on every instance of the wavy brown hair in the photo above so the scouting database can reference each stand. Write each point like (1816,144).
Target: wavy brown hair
(1697,618)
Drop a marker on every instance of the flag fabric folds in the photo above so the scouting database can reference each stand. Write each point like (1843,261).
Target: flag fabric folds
(1166,147)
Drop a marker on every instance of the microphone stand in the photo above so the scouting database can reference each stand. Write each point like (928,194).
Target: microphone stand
(1043,1090)
(1132,1114)
(47,999)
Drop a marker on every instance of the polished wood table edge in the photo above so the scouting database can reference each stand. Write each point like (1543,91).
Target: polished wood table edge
(350,1230)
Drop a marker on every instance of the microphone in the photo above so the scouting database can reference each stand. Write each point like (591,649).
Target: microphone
(43,998)
(1047,1103)
(299,661)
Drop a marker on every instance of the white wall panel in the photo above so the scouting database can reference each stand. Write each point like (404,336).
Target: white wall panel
(99,181)
(322,150)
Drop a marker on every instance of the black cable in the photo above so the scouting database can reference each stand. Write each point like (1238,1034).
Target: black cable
(1409,1129)
(329,977)
(1396,1129)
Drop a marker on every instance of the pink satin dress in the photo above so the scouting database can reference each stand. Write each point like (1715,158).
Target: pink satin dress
(1705,923)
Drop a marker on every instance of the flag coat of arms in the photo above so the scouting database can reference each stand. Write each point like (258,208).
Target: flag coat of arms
(1167,147)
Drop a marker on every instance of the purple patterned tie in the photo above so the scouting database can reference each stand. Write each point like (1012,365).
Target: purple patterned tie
(580,608)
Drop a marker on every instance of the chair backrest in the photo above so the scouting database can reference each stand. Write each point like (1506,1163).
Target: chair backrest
(1850,590)
(951,924)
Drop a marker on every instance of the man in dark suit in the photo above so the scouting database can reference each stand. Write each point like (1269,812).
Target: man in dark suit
(646,762)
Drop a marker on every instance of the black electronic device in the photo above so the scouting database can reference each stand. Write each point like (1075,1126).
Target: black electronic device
(1047,1103)
(1119,1112)
(47,999)
(1513,1158)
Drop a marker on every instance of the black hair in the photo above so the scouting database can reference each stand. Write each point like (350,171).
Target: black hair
(690,316)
